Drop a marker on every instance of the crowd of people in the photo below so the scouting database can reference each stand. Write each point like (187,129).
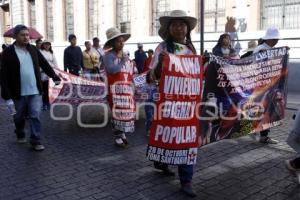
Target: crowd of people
(25,72)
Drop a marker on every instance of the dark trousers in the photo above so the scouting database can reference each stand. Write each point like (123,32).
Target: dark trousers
(117,134)
(45,85)
(185,172)
(264,133)
(74,72)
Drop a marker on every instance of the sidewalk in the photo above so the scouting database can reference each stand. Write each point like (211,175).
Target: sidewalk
(81,163)
(293,101)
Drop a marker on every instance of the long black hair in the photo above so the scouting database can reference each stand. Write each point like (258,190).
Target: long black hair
(220,41)
(169,40)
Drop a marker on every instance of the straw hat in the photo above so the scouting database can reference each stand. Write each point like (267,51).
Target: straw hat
(251,45)
(113,33)
(175,14)
(272,33)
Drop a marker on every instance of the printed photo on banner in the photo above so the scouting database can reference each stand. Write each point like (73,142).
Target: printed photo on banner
(246,95)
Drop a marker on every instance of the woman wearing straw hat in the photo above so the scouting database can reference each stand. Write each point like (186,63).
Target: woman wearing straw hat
(120,85)
(175,30)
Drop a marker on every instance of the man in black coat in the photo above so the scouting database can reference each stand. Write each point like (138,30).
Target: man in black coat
(21,85)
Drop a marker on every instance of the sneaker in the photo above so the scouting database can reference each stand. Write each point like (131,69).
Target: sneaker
(38,147)
(119,142)
(268,140)
(21,140)
(124,139)
(188,190)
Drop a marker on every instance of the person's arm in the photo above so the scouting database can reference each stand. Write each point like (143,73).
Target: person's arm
(95,59)
(66,60)
(136,56)
(155,65)
(81,58)
(109,64)
(4,75)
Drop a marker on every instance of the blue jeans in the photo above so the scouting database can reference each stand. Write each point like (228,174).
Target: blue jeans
(149,109)
(185,173)
(28,106)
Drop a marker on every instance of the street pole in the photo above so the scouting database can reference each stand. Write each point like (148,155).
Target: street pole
(201,27)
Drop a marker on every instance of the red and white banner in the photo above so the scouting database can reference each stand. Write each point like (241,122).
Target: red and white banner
(76,89)
(175,129)
(121,98)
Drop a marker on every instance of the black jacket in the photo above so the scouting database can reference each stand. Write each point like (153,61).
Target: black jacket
(10,71)
(73,58)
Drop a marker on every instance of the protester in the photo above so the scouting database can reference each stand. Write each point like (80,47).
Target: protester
(73,58)
(47,52)
(268,41)
(249,51)
(140,57)
(223,47)
(38,44)
(127,53)
(175,30)
(148,60)
(152,91)
(96,48)
(90,61)
(293,140)
(120,75)
(21,84)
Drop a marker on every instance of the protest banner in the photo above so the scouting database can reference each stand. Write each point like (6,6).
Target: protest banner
(174,132)
(121,98)
(244,96)
(76,89)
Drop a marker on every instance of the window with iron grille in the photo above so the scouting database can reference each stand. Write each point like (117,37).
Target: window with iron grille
(31,13)
(214,15)
(49,19)
(69,17)
(123,15)
(283,14)
(93,19)
(160,8)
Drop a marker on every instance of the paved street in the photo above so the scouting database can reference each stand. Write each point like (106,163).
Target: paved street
(83,163)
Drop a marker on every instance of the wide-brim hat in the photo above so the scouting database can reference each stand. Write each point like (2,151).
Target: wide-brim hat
(271,34)
(113,33)
(251,45)
(175,14)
